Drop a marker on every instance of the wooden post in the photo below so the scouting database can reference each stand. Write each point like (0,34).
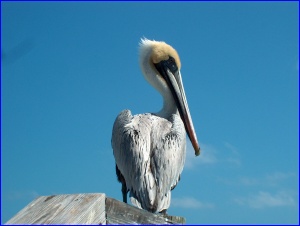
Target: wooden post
(93,208)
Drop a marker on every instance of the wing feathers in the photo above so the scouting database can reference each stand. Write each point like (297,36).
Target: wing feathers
(149,152)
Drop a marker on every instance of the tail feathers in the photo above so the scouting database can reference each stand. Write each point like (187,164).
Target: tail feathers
(161,204)
(134,201)
(165,202)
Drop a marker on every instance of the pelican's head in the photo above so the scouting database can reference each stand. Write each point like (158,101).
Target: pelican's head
(161,65)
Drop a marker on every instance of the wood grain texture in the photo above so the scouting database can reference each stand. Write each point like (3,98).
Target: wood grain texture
(63,209)
(121,213)
(93,208)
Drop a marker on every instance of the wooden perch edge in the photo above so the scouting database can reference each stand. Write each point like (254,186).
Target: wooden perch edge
(91,208)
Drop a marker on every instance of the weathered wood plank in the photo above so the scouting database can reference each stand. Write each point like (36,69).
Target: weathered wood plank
(63,209)
(87,209)
(120,213)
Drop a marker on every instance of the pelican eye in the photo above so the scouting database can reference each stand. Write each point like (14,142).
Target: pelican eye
(164,65)
(171,64)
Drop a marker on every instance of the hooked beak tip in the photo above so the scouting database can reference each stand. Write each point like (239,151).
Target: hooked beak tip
(197,151)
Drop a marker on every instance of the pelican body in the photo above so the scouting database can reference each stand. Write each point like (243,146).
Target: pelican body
(150,148)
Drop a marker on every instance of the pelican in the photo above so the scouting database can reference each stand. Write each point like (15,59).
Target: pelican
(150,148)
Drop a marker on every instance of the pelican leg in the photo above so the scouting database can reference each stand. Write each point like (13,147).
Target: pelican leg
(124,192)
(121,179)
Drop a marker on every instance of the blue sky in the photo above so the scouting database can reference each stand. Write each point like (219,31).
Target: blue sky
(69,68)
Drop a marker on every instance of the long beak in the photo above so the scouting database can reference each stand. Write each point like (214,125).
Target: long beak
(174,82)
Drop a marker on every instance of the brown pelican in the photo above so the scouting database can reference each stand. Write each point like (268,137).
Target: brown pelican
(150,148)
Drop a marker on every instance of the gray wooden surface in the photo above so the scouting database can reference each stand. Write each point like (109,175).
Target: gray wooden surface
(120,213)
(63,209)
(93,208)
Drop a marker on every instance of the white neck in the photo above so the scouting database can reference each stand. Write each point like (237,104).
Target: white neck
(169,106)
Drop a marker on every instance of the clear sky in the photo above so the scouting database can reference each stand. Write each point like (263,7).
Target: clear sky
(69,68)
